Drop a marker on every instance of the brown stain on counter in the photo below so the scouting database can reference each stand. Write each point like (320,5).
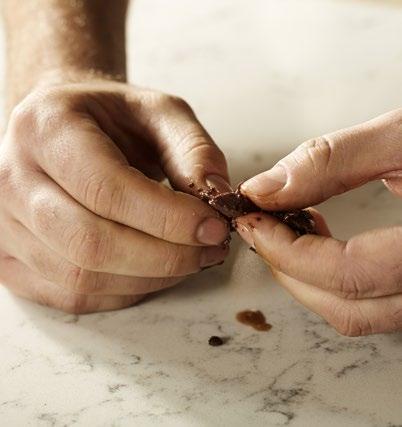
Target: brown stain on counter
(253,318)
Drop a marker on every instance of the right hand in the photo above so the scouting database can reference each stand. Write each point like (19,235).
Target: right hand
(356,285)
(84,223)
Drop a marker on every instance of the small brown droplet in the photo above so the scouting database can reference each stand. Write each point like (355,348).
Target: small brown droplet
(253,318)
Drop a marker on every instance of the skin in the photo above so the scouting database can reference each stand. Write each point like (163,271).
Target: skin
(357,284)
(85,222)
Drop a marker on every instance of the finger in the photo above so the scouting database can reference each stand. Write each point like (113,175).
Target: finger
(331,164)
(87,164)
(365,266)
(49,265)
(189,156)
(25,283)
(107,247)
(350,318)
(96,244)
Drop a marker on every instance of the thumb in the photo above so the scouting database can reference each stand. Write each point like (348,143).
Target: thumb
(189,157)
(331,164)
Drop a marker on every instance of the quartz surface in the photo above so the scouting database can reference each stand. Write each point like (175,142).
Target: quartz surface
(262,75)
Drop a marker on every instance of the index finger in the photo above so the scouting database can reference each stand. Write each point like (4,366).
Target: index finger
(84,161)
(359,268)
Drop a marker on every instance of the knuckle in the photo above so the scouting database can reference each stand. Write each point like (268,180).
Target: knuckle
(169,224)
(165,100)
(320,151)
(37,114)
(179,102)
(81,281)
(346,283)
(90,248)
(194,146)
(38,261)
(326,160)
(23,116)
(353,278)
(102,194)
(160,99)
(349,321)
(43,212)
(194,142)
(174,263)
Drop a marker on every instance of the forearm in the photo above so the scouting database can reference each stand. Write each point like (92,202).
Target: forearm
(62,40)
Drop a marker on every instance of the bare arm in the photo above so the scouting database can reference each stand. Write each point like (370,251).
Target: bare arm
(85,224)
(62,40)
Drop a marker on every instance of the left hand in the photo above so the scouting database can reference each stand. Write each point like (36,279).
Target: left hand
(355,285)
(85,226)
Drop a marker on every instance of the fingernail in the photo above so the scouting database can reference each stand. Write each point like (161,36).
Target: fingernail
(267,182)
(212,256)
(212,231)
(245,233)
(216,181)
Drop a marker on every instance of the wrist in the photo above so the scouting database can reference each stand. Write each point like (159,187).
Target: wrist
(64,75)
(58,76)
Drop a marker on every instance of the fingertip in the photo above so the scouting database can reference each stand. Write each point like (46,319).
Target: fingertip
(261,187)
(199,168)
(267,182)
(219,183)
(212,231)
(262,231)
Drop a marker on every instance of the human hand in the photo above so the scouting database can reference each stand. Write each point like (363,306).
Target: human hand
(84,224)
(355,285)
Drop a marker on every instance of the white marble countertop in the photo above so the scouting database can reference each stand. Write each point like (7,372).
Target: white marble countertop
(262,75)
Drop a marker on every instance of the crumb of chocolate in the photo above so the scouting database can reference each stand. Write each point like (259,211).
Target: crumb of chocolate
(253,318)
(215,341)
(191,185)
(225,244)
(234,204)
(208,194)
